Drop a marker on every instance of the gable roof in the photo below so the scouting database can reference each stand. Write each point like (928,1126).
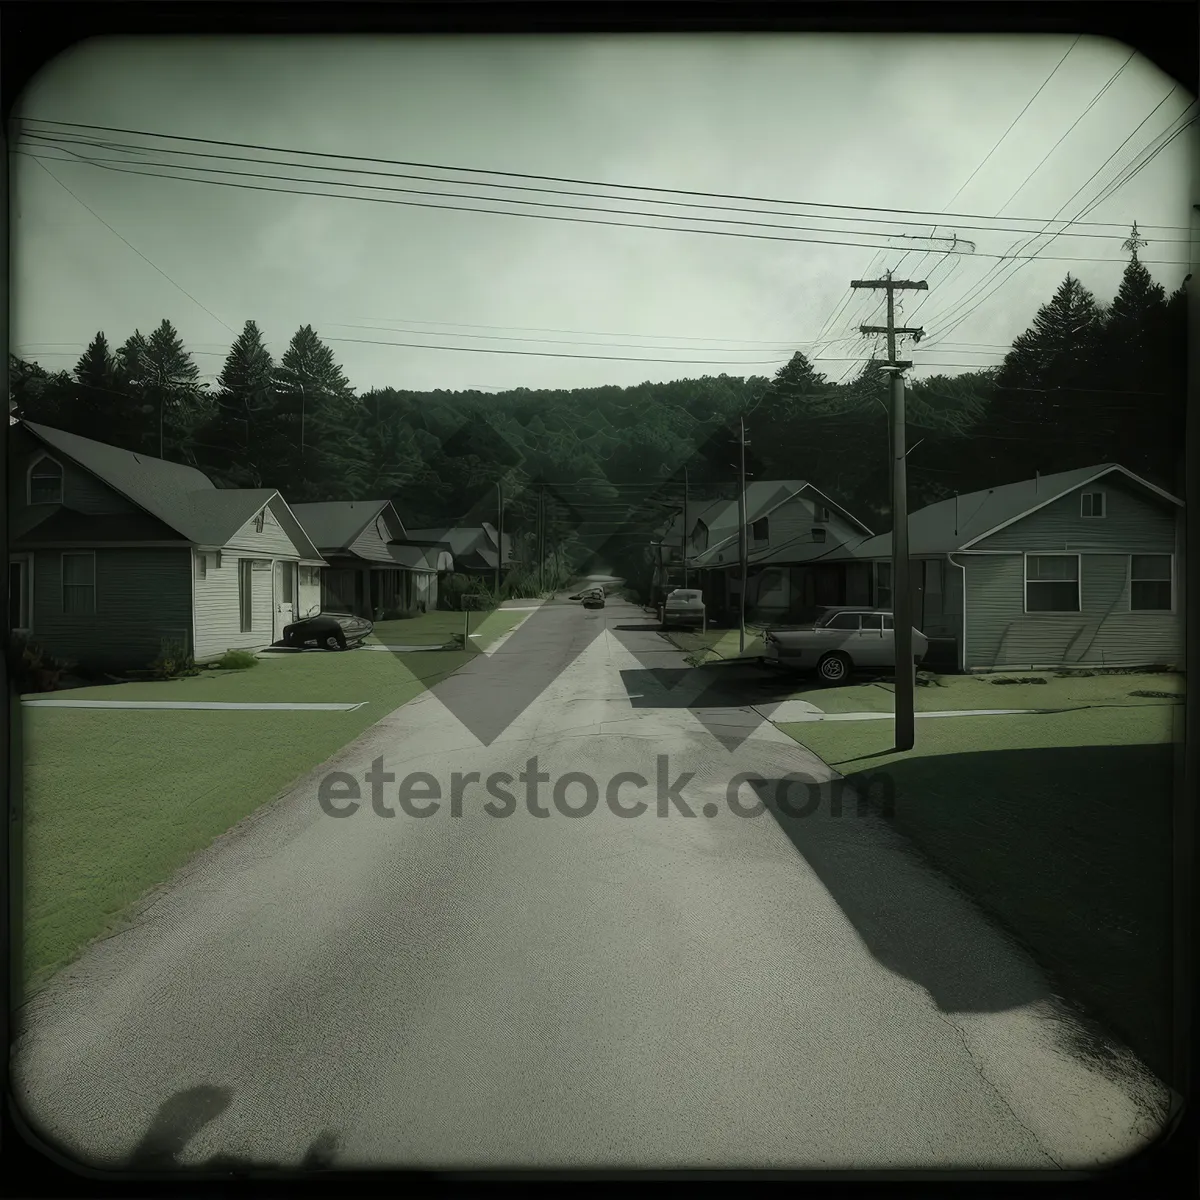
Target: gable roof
(181,497)
(471,545)
(762,495)
(958,523)
(336,524)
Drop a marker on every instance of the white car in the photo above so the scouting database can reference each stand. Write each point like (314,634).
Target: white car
(842,640)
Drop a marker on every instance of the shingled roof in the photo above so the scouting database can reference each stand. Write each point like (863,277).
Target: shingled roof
(181,497)
(951,525)
(336,524)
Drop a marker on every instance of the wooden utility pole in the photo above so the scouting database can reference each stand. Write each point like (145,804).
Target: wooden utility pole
(901,592)
(499,538)
(744,540)
(683,541)
(538,538)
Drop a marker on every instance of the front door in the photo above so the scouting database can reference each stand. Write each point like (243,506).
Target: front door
(285,596)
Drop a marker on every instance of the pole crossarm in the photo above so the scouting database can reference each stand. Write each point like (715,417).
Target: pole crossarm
(911,285)
(915,334)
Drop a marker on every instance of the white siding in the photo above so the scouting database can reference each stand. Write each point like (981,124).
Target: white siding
(218,616)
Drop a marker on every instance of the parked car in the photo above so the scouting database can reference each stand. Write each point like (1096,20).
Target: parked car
(594,598)
(327,631)
(684,607)
(842,640)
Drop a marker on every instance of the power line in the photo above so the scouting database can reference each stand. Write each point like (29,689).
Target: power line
(549,354)
(131,245)
(551,178)
(948,314)
(1012,125)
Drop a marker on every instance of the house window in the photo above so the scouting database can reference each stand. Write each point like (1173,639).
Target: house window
(758,531)
(45,482)
(818,534)
(259,521)
(246,593)
(1150,582)
(18,593)
(1052,583)
(1091,504)
(821,514)
(883,585)
(79,583)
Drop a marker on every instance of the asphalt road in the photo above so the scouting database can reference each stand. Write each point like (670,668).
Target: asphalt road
(482,990)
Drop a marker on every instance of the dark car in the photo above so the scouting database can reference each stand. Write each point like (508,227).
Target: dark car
(327,631)
(594,598)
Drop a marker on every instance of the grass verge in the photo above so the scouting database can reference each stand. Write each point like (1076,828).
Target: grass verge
(1060,826)
(115,801)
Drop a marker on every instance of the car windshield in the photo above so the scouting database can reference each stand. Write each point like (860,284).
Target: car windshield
(684,597)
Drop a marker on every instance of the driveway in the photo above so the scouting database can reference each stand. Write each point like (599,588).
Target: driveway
(544,991)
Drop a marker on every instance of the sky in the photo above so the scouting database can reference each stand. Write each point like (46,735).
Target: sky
(872,123)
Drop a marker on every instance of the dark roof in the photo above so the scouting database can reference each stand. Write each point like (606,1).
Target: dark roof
(948,525)
(67,527)
(335,524)
(179,496)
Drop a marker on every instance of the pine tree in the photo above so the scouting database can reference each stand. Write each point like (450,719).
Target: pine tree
(171,393)
(315,446)
(234,444)
(97,394)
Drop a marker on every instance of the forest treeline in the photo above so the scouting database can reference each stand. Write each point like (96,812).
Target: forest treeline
(1085,383)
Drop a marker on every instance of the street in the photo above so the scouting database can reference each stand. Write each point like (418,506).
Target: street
(469,990)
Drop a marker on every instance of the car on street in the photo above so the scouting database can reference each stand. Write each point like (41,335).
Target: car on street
(684,607)
(594,598)
(327,631)
(842,640)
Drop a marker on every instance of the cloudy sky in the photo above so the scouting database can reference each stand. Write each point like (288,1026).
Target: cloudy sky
(871,125)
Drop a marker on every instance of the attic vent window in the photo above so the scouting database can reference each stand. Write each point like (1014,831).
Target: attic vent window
(818,533)
(45,482)
(1091,504)
(759,530)
(821,516)
(259,521)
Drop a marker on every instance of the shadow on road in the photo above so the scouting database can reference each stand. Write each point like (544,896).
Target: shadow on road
(1068,850)
(180,1118)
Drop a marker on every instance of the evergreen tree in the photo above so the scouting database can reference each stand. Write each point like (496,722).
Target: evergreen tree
(97,394)
(234,443)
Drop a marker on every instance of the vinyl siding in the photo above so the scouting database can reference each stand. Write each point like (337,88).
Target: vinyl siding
(273,542)
(82,491)
(370,545)
(1135,522)
(789,537)
(142,596)
(1000,634)
(218,611)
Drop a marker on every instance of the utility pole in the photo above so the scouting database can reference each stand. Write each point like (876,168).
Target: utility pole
(743,545)
(499,538)
(684,539)
(537,540)
(901,593)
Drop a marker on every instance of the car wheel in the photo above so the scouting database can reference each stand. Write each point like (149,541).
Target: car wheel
(833,668)
(335,641)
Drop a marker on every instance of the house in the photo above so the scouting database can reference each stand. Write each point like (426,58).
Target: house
(474,548)
(1079,568)
(370,571)
(793,529)
(111,552)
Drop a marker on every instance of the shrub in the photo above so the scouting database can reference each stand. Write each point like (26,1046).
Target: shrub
(1003,679)
(237,660)
(174,661)
(32,669)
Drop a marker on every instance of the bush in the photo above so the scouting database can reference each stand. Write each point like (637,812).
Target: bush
(174,661)
(32,669)
(1003,679)
(236,660)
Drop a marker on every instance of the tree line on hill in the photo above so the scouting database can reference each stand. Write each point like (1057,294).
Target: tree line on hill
(1085,383)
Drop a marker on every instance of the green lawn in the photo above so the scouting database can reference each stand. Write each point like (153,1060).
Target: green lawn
(952,692)
(717,643)
(116,801)
(1058,824)
(437,628)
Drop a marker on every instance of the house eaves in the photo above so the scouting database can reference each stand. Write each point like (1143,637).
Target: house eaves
(1109,469)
